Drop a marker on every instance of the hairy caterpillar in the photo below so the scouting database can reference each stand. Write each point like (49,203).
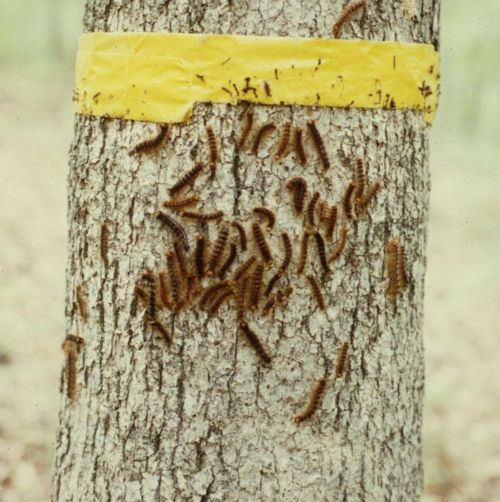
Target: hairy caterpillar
(318,143)
(298,187)
(318,296)
(219,301)
(259,136)
(242,234)
(315,399)
(346,14)
(217,251)
(331,222)
(341,360)
(180,203)
(82,304)
(271,283)
(362,203)
(163,290)
(347,201)
(246,129)
(256,286)
(104,243)
(186,179)
(261,242)
(213,152)
(255,342)
(210,292)
(193,215)
(284,141)
(174,278)
(241,291)
(161,136)
(298,145)
(233,250)
(311,208)
(304,246)
(199,256)
(244,268)
(287,245)
(339,245)
(267,214)
(176,228)
(359,179)
(320,246)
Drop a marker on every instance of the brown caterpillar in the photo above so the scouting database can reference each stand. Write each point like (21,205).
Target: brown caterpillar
(391,266)
(316,292)
(213,152)
(180,203)
(318,143)
(176,228)
(229,261)
(255,342)
(261,242)
(267,214)
(339,245)
(181,259)
(162,135)
(244,268)
(400,267)
(152,301)
(241,292)
(246,130)
(218,250)
(163,290)
(193,215)
(104,243)
(242,233)
(287,245)
(210,292)
(186,179)
(199,256)
(298,187)
(345,15)
(341,360)
(320,246)
(284,141)
(298,145)
(270,285)
(191,286)
(347,202)
(363,202)
(359,179)
(331,222)
(269,306)
(70,349)
(259,136)
(82,304)
(164,332)
(304,246)
(219,301)
(256,286)
(174,278)
(315,399)
(311,208)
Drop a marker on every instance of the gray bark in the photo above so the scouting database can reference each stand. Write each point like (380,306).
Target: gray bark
(204,420)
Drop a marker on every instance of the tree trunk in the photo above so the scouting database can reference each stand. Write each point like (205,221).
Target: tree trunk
(204,419)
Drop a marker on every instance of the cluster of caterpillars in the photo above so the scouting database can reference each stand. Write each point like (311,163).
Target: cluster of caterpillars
(240,268)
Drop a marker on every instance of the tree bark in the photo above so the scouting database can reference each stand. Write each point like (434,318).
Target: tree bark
(204,419)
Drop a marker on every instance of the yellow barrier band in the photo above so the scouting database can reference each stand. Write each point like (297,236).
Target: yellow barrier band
(159,77)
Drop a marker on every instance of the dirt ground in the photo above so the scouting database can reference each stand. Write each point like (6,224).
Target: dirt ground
(462,412)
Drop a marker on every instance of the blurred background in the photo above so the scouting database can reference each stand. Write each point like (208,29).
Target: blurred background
(462,317)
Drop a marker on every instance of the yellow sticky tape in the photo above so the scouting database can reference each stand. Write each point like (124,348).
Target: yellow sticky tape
(159,77)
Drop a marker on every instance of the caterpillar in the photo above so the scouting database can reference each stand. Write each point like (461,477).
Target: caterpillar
(199,256)
(240,298)
(255,342)
(320,246)
(259,136)
(298,187)
(161,136)
(193,215)
(180,203)
(267,214)
(347,203)
(219,301)
(69,348)
(141,294)
(331,222)
(152,302)
(359,179)
(298,145)
(391,266)
(246,129)
(233,251)
(191,286)
(284,141)
(345,15)
(242,234)
(341,360)
(176,228)
(181,259)
(339,245)
(218,250)
(311,207)
(163,290)
(104,243)
(210,291)
(304,246)
(270,285)
(318,296)
(186,179)
(315,399)
(174,278)
(256,286)
(82,304)
(261,243)
(164,332)
(244,268)
(318,143)
(213,152)
(287,245)
(269,306)
(363,202)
